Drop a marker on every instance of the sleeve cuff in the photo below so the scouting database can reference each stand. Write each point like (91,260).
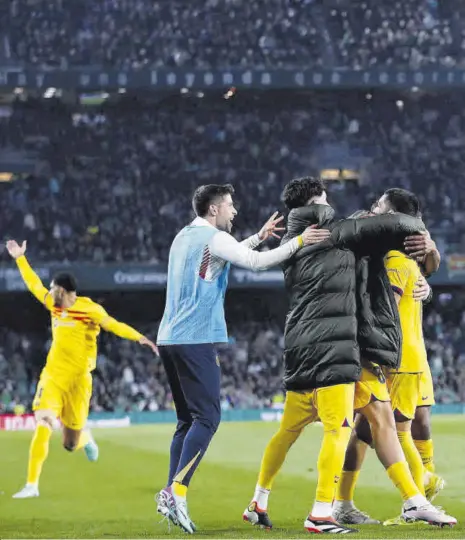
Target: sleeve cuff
(397,290)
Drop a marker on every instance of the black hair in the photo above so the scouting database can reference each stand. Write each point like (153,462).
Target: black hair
(300,190)
(65,280)
(204,196)
(404,201)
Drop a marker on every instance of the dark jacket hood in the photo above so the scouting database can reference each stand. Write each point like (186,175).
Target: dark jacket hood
(314,214)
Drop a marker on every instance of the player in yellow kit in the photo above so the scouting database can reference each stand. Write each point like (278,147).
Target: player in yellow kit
(65,386)
(423,248)
(404,383)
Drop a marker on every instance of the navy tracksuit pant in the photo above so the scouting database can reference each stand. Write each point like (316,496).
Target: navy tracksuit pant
(193,373)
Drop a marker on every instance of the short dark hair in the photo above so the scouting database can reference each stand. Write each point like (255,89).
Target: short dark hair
(404,201)
(65,280)
(204,196)
(300,190)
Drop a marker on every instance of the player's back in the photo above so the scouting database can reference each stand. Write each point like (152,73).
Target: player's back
(403,274)
(74,338)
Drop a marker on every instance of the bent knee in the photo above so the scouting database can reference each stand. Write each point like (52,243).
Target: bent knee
(363,430)
(211,422)
(183,424)
(215,423)
(45,418)
(286,433)
(69,446)
(339,434)
(421,429)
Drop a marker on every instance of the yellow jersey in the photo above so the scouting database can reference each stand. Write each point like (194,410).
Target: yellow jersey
(74,336)
(74,329)
(403,273)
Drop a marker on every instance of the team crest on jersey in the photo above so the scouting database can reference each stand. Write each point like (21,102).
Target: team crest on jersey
(64,314)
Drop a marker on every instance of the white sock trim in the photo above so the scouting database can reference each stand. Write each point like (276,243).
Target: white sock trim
(322,510)
(260,496)
(416,500)
(346,505)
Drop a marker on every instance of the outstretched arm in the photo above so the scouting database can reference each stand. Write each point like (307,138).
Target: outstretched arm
(226,247)
(122,330)
(30,278)
(376,234)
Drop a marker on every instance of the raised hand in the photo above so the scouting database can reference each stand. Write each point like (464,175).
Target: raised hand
(271,227)
(16,250)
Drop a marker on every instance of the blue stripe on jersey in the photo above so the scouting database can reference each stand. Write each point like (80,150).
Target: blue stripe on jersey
(397,290)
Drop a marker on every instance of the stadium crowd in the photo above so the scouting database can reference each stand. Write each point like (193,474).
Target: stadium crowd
(128,378)
(99,167)
(129,34)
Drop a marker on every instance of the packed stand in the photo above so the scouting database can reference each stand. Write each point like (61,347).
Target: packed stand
(102,168)
(444,328)
(129,378)
(131,34)
(400,34)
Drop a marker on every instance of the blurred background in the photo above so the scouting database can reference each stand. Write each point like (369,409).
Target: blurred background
(113,111)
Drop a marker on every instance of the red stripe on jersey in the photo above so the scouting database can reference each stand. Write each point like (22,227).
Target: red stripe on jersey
(59,309)
(206,259)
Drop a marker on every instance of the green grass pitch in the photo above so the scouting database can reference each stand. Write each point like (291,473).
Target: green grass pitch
(114,497)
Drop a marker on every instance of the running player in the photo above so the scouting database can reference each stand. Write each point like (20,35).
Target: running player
(65,386)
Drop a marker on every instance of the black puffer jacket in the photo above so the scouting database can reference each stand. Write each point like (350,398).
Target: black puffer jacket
(333,285)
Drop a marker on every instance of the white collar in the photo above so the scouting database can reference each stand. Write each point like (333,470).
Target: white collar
(201,222)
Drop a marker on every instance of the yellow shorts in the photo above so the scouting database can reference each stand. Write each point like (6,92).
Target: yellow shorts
(371,387)
(333,405)
(404,389)
(426,398)
(69,403)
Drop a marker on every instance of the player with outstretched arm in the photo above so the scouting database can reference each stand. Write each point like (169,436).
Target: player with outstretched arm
(194,321)
(65,386)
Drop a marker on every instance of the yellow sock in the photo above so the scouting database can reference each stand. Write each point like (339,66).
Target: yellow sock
(179,489)
(413,458)
(346,486)
(274,456)
(426,451)
(330,462)
(400,475)
(83,439)
(38,452)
